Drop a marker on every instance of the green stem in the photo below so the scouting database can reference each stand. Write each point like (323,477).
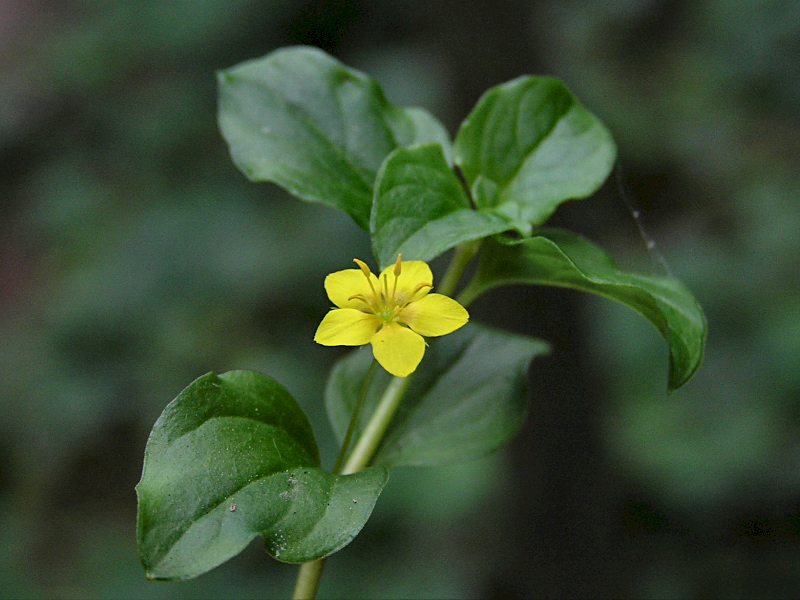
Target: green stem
(467,295)
(310,573)
(348,437)
(379,422)
(308,580)
(463,254)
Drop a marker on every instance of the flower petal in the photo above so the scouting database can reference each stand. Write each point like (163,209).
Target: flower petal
(346,327)
(345,284)
(412,274)
(434,315)
(398,349)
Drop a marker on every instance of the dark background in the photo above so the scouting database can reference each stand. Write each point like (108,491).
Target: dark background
(134,257)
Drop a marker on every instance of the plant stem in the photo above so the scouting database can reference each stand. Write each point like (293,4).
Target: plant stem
(463,254)
(308,580)
(379,422)
(467,295)
(310,573)
(354,418)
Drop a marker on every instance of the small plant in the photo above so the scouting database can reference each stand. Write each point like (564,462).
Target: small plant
(233,457)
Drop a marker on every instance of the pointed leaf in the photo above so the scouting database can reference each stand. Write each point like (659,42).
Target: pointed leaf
(561,258)
(529,146)
(468,397)
(299,118)
(233,457)
(420,208)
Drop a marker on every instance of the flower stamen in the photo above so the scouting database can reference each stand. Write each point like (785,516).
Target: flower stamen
(385,289)
(365,270)
(363,299)
(397,269)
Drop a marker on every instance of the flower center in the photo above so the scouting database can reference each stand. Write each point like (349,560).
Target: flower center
(387,302)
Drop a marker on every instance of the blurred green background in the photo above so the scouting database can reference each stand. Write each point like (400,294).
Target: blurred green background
(134,257)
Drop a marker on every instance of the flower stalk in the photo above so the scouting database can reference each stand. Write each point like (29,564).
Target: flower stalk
(373,434)
(462,256)
(354,417)
(308,579)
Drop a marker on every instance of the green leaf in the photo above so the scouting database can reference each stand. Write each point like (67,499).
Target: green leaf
(301,119)
(233,457)
(528,146)
(564,259)
(420,208)
(468,397)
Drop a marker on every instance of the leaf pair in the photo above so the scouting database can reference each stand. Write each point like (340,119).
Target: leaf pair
(327,134)
(233,456)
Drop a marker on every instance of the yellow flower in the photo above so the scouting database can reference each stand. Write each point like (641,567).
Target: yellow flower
(392,313)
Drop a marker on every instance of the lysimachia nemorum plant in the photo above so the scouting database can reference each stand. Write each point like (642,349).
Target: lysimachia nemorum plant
(233,457)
